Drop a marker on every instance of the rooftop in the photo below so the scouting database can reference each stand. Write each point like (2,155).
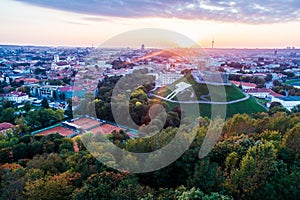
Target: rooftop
(70,88)
(290,98)
(237,83)
(5,125)
(263,90)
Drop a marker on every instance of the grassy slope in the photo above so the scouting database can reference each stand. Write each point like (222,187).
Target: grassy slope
(216,92)
(232,93)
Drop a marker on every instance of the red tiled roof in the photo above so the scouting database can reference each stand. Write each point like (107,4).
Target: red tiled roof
(16,93)
(28,80)
(61,63)
(70,88)
(5,125)
(237,83)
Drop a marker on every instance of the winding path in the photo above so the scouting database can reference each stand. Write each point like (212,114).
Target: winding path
(247,96)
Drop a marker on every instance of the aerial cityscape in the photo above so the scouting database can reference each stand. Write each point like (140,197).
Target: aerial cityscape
(149,100)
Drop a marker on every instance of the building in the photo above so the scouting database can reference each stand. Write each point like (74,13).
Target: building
(5,127)
(167,78)
(47,91)
(287,102)
(244,85)
(60,65)
(1,78)
(210,77)
(262,93)
(27,81)
(17,97)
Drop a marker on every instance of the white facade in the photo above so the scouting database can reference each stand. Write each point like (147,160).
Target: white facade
(261,95)
(288,104)
(167,78)
(17,97)
(44,91)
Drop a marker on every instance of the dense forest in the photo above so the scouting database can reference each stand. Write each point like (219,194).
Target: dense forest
(256,157)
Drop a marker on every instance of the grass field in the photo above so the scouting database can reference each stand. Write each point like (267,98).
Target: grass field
(291,81)
(232,93)
(249,106)
(216,92)
(262,101)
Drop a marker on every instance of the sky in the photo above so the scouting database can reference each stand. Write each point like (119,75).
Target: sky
(231,24)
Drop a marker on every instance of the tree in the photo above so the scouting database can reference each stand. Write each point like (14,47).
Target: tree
(44,117)
(291,139)
(24,89)
(207,176)
(276,107)
(268,78)
(27,106)
(238,124)
(6,104)
(45,103)
(51,187)
(99,186)
(296,109)
(284,184)
(20,151)
(8,115)
(254,171)
(62,96)
(51,163)
(12,183)
(195,193)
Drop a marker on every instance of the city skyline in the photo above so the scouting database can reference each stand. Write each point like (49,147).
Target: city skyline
(86,23)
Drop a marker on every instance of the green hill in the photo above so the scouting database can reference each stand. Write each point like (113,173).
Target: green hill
(232,93)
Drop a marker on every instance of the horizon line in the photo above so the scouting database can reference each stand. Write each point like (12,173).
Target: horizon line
(92,46)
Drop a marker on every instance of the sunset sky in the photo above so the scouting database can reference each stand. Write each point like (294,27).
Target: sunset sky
(246,24)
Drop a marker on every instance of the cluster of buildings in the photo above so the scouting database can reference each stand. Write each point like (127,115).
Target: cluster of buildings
(62,73)
(45,72)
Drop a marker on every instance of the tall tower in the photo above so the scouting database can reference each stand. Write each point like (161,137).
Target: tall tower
(213,42)
(275,53)
(56,58)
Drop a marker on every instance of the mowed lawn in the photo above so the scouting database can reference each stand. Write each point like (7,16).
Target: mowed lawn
(216,93)
(249,106)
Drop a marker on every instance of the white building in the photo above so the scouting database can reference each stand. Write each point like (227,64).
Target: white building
(262,93)
(287,102)
(43,90)
(1,78)
(15,96)
(244,85)
(60,65)
(166,78)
